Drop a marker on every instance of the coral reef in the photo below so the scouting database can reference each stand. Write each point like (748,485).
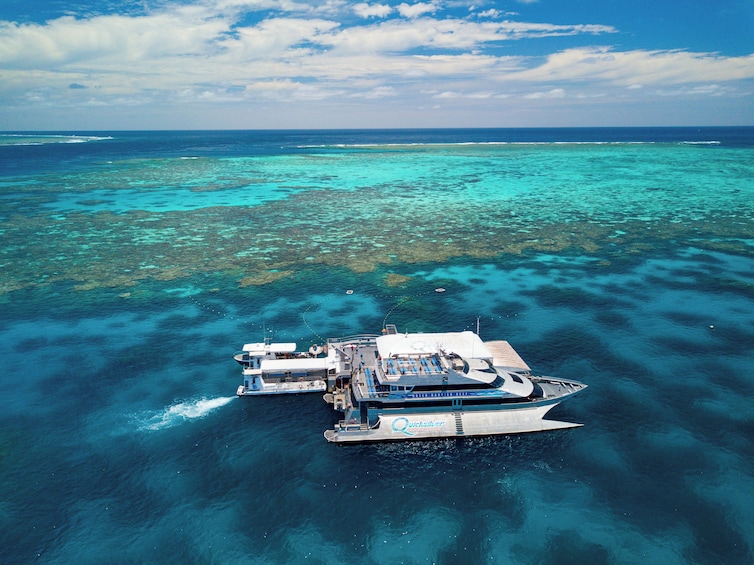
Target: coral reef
(484,203)
(268,242)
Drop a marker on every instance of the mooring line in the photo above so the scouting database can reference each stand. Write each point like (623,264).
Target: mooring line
(245,321)
(207,308)
(311,329)
(406,299)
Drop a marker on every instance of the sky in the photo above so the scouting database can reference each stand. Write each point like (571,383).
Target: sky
(78,65)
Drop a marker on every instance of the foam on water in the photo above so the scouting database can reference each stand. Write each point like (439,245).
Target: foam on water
(182,411)
(42,139)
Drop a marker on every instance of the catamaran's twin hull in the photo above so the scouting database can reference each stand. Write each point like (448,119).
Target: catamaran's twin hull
(421,426)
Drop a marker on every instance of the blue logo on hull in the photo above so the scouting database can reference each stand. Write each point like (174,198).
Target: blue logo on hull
(407,427)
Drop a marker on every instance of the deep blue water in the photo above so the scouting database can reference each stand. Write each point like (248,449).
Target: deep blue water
(145,144)
(135,263)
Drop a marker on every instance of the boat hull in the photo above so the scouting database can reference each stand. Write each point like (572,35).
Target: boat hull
(421,426)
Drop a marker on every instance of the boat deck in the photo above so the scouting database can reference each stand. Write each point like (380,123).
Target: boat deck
(503,355)
(357,353)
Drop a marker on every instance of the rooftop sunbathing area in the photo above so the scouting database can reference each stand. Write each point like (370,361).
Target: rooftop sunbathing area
(398,366)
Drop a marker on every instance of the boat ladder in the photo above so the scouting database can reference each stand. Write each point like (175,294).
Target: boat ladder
(459,423)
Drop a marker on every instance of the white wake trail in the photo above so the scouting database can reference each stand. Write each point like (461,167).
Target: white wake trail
(182,411)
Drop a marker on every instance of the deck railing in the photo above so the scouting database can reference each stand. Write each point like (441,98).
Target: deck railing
(358,339)
(344,426)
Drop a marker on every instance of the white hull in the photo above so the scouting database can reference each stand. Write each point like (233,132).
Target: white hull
(416,426)
(293,387)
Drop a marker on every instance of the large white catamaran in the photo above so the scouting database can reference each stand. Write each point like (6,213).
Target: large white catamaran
(399,386)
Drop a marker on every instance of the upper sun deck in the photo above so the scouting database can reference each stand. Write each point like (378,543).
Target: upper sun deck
(396,367)
(432,370)
(424,359)
(454,364)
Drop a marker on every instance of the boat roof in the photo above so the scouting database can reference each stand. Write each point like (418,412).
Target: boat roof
(262,348)
(298,364)
(464,344)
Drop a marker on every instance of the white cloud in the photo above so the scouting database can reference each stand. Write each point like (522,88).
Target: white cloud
(179,38)
(68,40)
(300,52)
(310,92)
(375,93)
(272,86)
(450,94)
(699,90)
(630,68)
(554,93)
(589,95)
(238,6)
(394,36)
(491,13)
(364,10)
(274,38)
(416,10)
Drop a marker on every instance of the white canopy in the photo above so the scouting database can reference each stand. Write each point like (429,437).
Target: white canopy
(298,364)
(262,348)
(465,344)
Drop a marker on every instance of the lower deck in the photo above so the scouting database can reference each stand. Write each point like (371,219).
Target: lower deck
(356,356)
(282,387)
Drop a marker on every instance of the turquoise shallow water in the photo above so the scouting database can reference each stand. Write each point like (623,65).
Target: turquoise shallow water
(628,266)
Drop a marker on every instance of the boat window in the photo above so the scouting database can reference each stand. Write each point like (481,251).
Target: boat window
(488,369)
(516,378)
(498,382)
(473,401)
(454,387)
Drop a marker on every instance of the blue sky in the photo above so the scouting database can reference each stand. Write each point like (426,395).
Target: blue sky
(197,64)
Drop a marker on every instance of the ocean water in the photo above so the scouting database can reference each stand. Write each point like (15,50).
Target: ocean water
(134,264)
